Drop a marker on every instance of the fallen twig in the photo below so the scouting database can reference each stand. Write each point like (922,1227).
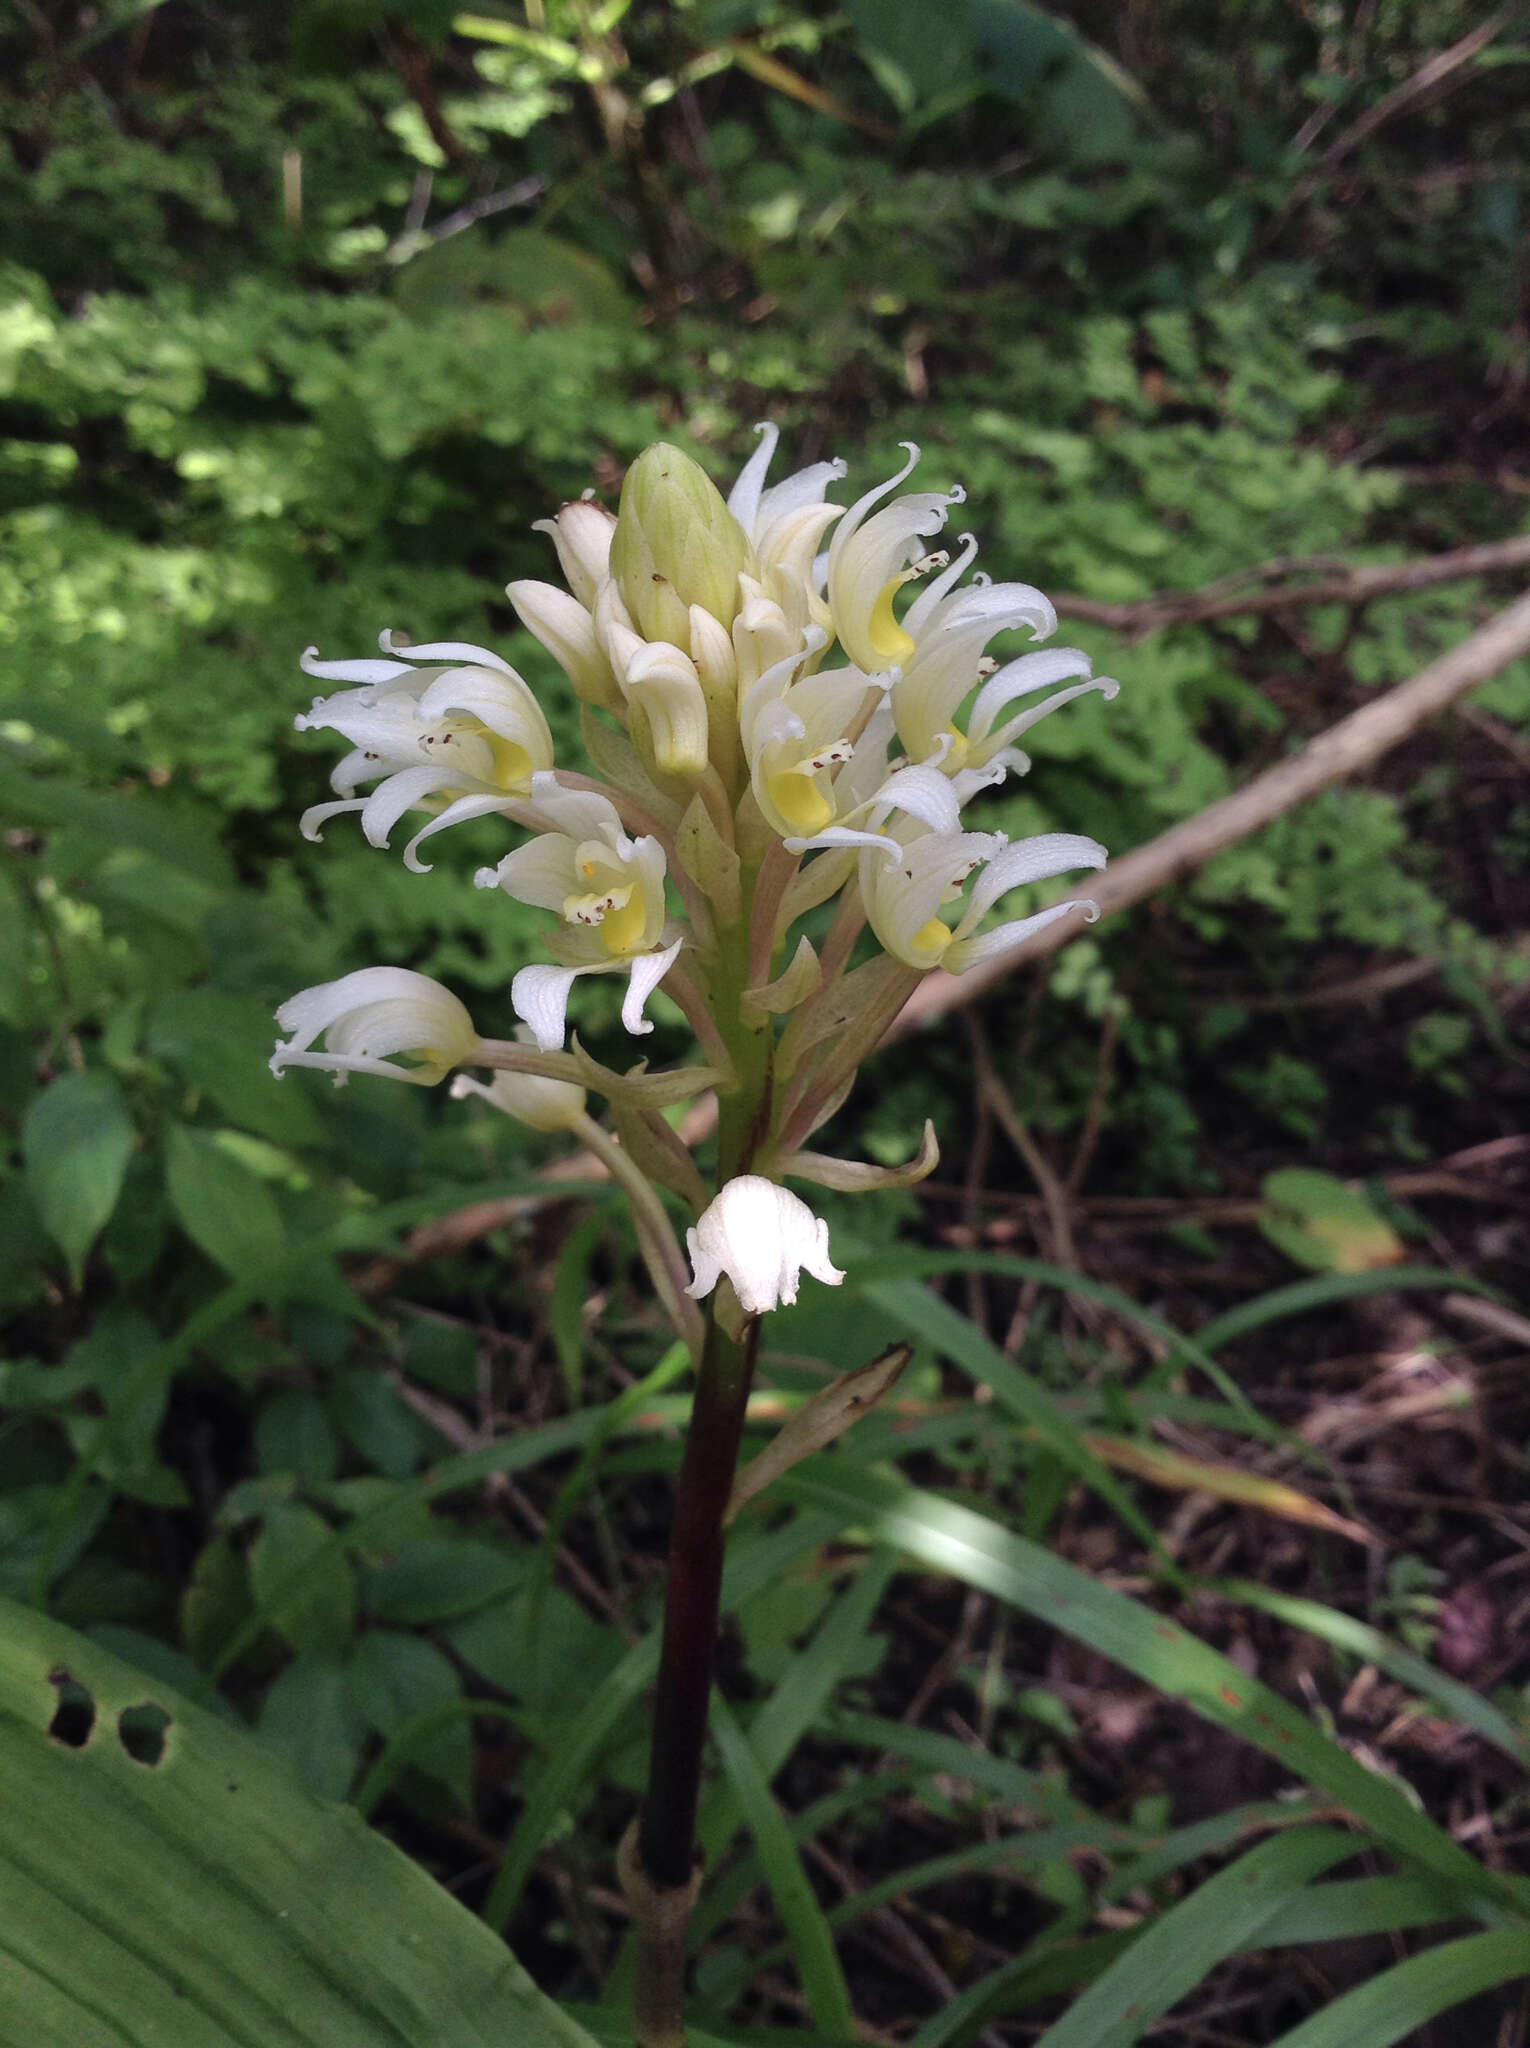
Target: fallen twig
(1354,743)
(1353,585)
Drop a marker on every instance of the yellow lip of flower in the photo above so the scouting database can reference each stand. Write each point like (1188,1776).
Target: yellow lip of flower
(800,801)
(513,766)
(930,941)
(882,629)
(890,638)
(797,793)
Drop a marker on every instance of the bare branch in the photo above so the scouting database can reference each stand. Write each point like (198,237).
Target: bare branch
(1357,585)
(1346,748)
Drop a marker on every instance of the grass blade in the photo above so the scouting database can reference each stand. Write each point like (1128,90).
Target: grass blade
(1345,1632)
(1301,1297)
(1220,1918)
(1359,1905)
(1408,1995)
(807,1930)
(927,1316)
(949,1537)
(910,1264)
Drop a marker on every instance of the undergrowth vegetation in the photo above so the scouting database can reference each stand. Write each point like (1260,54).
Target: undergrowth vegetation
(1029,1725)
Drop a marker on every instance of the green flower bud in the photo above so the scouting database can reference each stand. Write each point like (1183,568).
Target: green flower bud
(676,544)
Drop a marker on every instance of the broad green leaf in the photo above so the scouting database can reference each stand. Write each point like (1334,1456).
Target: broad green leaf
(76,1141)
(321,1612)
(1317,1221)
(311,1719)
(221,1042)
(206,1900)
(436,1578)
(221,1205)
(394,1679)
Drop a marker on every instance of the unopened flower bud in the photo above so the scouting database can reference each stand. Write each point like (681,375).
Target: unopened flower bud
(676,544)
(582,535)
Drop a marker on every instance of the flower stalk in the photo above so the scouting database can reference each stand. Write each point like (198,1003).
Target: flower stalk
(777,716)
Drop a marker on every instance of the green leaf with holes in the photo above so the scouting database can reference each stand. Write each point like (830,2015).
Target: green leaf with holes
(165,1878)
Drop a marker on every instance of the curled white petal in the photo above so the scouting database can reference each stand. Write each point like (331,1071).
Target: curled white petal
(1028,860)
(965,953)
(539,997)
(764,1238)
(446,651)
(366,1017)
(648,970)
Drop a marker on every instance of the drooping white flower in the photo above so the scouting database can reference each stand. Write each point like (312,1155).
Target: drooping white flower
(764,1238)
(536,1100)
(368,1017)
(608,891)
(446,727)
(906,884)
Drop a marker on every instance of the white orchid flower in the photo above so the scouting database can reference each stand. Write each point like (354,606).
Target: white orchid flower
(536,1100)
(764,1238)
(906,880)
(795,730)
(872,555)
(367,1017)
(607,889)
(446,727)
(987,745)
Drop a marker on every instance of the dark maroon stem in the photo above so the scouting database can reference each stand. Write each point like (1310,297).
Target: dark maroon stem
(667,1835)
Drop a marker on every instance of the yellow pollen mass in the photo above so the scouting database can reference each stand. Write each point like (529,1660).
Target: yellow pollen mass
(931,940)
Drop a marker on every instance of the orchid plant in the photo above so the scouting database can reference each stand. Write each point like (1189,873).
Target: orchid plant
(787,704)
